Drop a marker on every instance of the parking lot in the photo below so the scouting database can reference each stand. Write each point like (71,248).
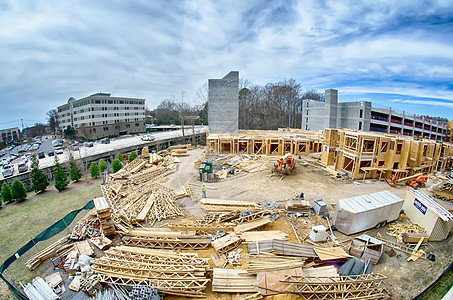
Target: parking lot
(85,150)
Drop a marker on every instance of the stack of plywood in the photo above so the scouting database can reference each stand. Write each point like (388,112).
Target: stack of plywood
(103,212)
(233,281)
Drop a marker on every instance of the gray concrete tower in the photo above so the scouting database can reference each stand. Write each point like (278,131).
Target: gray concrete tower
(331,108)
(223,105)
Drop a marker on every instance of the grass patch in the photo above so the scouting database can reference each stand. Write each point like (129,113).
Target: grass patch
(441,288)
(20,222)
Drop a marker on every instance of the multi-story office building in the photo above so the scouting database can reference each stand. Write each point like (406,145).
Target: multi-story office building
(362,116)
(9,135)
(101,115)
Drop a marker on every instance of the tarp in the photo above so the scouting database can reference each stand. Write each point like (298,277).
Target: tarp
(46,234)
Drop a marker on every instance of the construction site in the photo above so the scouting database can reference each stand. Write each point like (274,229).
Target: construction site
(282,214)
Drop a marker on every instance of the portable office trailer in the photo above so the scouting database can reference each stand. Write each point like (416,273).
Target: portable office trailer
(426,212)
(360,213)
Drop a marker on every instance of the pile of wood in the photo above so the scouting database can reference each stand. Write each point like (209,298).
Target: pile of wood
(444,189)
(299,206)
(398,230)
(220,205)
(103,213)
(226,243)
(60,248)
(256,236)
(252,225)
(281,247)
(172,149)
(162,238)
(233,281)
(167,271)
(85,226)
(266,262)
(250,166)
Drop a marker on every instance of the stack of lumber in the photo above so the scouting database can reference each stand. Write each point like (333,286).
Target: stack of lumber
(332,253)
(267,262)
(222,174)
(227,243)
(84,247)
(252,225)
(398,230)
(167,271)
(256,236)
(85,226)
(296,205)
(221,205)
(59,248)
(162,238)
(179,152)
(250,165)
(233,281)
(188,190)
(103,213)
(281,247)
(270,283)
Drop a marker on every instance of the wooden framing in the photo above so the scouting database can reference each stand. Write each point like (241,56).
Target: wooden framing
(167,271)
(370,286)
(375,155)
(266,142)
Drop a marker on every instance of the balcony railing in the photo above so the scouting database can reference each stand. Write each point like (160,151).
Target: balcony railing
(396,121)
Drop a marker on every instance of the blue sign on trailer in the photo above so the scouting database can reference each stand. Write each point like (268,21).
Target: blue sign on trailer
(420,206)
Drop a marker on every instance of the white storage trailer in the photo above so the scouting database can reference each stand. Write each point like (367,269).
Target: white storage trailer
(360,213)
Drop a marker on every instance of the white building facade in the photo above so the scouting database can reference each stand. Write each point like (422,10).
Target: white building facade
(101,115)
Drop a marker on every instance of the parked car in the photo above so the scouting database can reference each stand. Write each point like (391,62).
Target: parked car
(41,154)
(50,153)
(59,150)
(148,137)
(89,144)
(57,143)
(8,171)
(105,141)
(22,167)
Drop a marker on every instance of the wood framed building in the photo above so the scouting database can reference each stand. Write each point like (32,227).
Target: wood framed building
(375,155)
(272,142)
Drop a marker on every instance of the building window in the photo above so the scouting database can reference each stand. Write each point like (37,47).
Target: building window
(128,125)
(360,124)
(136,125)
(361,114)
(106,129)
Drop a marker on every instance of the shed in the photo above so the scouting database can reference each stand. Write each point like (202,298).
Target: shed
(360,213)
(426,212)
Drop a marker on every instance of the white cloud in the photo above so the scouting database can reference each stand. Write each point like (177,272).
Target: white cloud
(50,51)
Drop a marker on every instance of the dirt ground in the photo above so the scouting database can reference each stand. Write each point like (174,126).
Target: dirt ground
(406,279)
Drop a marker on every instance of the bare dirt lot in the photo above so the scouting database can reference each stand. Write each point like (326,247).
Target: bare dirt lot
(406,279)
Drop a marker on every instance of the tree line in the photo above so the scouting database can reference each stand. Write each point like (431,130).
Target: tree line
(271,106)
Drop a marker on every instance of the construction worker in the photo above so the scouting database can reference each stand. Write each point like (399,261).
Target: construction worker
(203,191)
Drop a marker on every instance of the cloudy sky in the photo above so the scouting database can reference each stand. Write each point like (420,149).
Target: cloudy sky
(393,53)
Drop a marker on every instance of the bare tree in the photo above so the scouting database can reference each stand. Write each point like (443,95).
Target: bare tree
(52,119)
